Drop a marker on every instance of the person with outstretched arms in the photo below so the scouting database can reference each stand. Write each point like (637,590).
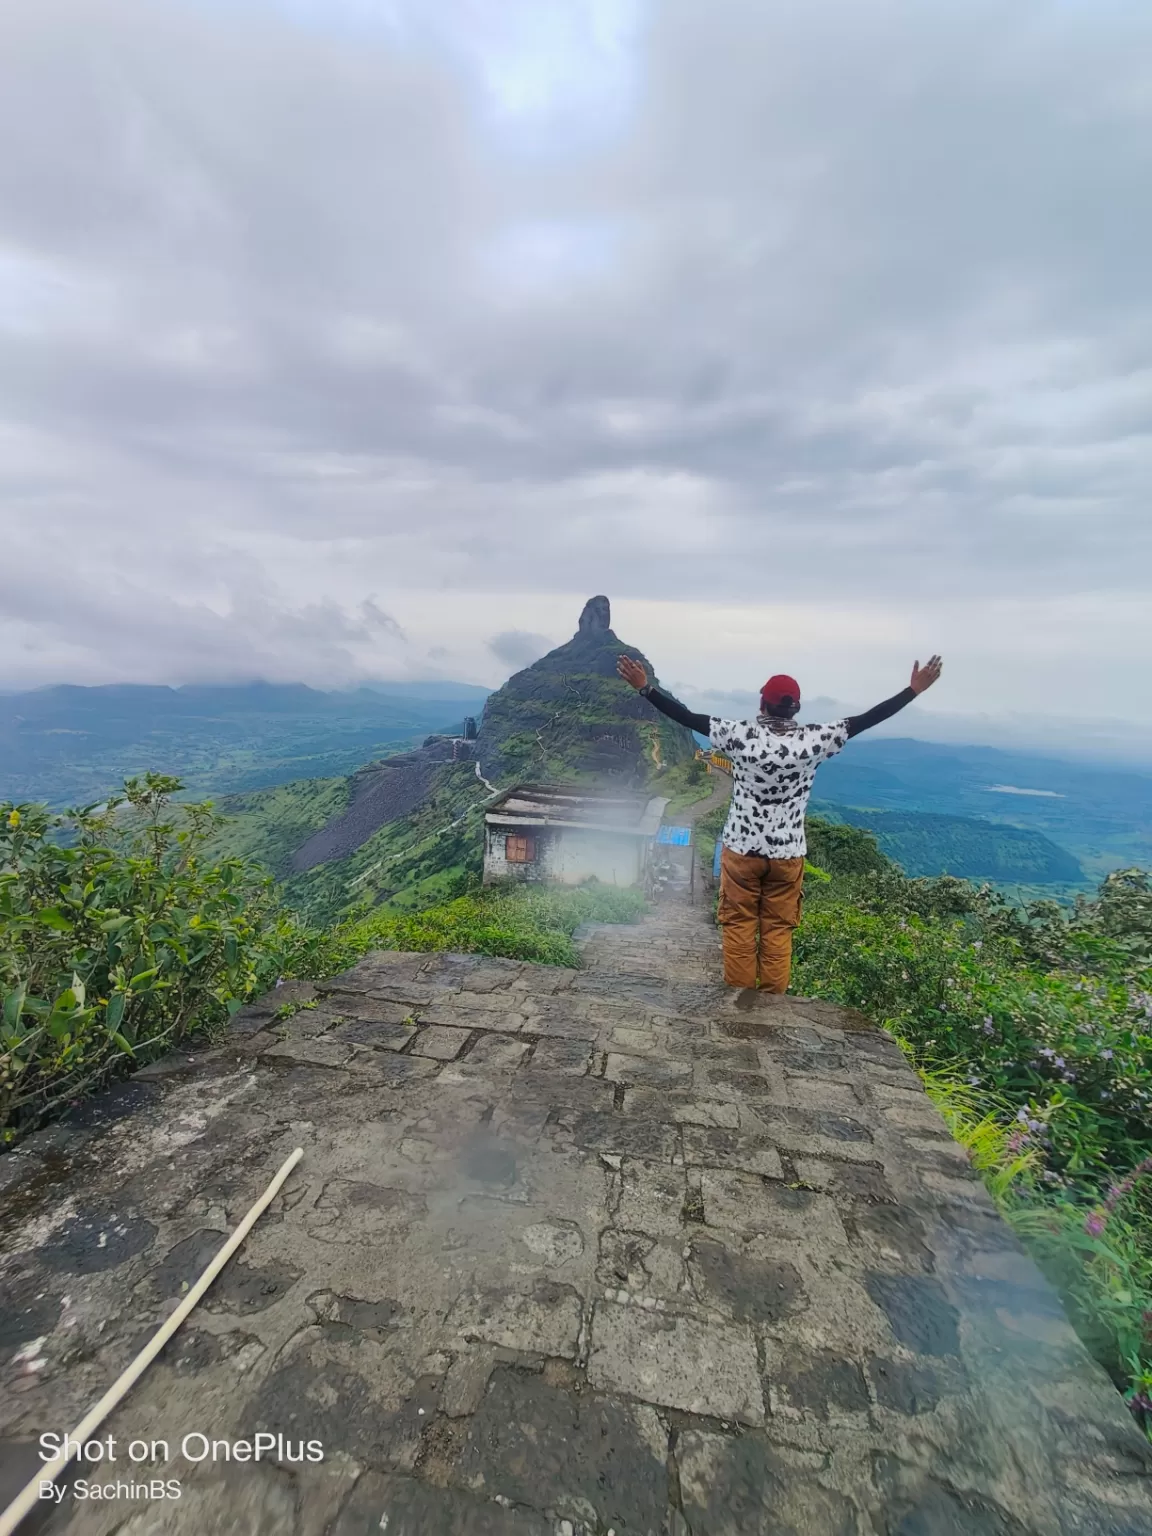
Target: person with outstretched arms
(774,761)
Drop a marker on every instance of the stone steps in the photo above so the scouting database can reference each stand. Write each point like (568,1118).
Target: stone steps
(568,1252)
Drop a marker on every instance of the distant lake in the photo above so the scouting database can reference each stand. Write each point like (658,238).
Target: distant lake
(1013,789)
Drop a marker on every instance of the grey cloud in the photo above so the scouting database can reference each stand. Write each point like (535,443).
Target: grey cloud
(519,648)
(853,298)
(253,634)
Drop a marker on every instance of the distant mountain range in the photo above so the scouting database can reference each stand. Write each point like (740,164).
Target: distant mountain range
(1102,816)
(934,806)
(68,745)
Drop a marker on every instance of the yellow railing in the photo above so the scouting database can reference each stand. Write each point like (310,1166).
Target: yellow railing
(714,760)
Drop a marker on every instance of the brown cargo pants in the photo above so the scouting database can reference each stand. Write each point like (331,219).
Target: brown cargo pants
(760,900)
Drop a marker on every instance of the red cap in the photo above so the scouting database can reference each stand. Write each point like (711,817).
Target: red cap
(778,688)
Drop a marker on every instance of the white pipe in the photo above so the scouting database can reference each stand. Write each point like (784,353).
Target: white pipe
(29,1496)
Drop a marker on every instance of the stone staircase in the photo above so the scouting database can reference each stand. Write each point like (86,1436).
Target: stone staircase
(568,1252)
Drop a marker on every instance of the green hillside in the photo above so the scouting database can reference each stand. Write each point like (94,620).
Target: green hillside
(268,825)
(923,843)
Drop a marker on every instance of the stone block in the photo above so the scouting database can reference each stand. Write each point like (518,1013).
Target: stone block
(694,1365)
(319,1053)
(965,1191)
(453,1016)
(739,1202)
(376,1036)
(627,1135)
(641,1265)
(742,1486)
(815,1133)
(815,1383)
(712,1147)
(407,1507)
(846,1182)
(500,1053)
(389,1069)
(748,1289)
(682,1108)
(543,1320)
(594,1463)
(466,1382)
(651,1198)
(816,1093)
(904,1386)
(567,1058)
(439,1043)
(741,1087)
(892,1236)
(918,1311)
(553,1243)
(375,1010)
(644,1070)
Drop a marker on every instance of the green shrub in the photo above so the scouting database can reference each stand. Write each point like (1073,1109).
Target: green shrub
(510,921)
(115,941)
(1033,1032)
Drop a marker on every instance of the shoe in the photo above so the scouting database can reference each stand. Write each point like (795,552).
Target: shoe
(747,998)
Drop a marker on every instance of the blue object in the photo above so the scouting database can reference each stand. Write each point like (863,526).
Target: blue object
(716,860)
(679,837)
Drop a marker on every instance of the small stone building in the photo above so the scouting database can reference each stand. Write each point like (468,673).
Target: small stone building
(568,834)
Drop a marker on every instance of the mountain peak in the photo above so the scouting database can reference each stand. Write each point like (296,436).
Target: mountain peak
(596,617)
(569,716)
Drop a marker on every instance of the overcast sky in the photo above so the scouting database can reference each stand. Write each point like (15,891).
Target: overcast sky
(367,338)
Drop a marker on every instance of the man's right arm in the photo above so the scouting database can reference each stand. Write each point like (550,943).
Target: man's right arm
(922,678)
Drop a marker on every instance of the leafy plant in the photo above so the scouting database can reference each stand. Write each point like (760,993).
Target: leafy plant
(1032,1030)
(115,941)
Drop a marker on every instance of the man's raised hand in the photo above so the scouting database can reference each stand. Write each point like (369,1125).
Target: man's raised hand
(924,676)
(632,672)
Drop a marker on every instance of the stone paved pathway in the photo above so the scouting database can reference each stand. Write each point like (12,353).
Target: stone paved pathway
(568,1253)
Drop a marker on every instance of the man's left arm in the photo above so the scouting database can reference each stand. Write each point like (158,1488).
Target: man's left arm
(922,677)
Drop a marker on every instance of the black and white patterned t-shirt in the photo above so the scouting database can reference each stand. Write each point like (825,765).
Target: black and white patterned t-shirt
(773,765)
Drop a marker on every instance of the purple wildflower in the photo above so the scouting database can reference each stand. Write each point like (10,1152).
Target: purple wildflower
(1107,1055)
(1095,1223)
(1046,1050)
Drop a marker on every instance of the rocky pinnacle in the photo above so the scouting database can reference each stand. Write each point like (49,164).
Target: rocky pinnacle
(596,617)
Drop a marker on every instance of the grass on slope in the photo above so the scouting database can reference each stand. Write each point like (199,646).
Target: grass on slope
(444,833)
(268,825)
(510,921)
